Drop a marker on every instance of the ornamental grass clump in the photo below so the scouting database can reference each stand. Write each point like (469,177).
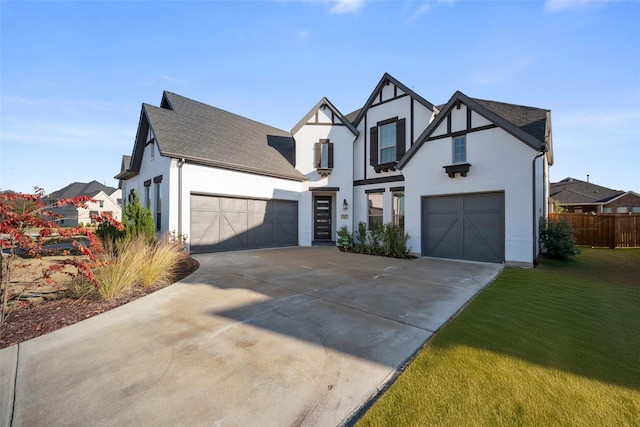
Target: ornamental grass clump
(121,266)
(162,260)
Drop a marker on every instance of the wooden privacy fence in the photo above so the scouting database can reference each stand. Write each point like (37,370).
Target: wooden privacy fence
(603,230)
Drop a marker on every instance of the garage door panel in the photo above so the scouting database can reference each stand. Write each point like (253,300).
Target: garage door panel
(204,204)
(443,236)
(464,227)
(225,223)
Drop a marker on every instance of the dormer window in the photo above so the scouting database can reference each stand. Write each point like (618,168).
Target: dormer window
(323,157)
(387,144)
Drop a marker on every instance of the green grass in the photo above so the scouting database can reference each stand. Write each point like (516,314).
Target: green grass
(558,345)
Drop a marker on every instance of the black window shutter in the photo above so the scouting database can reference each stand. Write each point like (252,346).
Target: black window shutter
(400,138)
(317,154)
(373,146)
(330,155)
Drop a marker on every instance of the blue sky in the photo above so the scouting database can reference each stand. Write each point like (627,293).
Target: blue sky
(73,75)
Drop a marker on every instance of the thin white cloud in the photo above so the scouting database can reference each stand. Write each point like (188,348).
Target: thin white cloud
(426,6)
(562,5)
(346,6)
(422,9)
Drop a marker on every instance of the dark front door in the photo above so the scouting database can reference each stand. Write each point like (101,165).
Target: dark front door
(322,218)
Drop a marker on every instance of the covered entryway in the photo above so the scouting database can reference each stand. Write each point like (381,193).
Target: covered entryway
(226,223)
(466,226)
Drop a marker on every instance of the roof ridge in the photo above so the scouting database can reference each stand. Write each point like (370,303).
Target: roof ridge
(209,106)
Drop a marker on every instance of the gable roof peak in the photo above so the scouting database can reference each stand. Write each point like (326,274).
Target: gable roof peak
(324,102)
(386,79)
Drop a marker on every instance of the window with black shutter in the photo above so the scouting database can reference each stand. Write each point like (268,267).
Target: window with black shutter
(323,156)
(387,144)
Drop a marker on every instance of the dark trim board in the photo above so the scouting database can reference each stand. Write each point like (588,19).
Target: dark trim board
(382,180)
(328,189)
(461,132)
(388,100)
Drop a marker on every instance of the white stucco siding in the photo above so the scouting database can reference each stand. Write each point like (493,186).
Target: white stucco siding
(441,129)
(477,120)
(499,163)
(390,91)
(208,180)
(150,169)
(459,118)
(341,176)
(421,119)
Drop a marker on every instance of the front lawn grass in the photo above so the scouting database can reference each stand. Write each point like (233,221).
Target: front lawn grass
(557,345)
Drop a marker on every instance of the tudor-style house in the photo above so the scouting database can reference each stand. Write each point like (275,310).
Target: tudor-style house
(466,180)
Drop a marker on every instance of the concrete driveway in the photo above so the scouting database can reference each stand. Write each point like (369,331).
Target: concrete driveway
(295,336)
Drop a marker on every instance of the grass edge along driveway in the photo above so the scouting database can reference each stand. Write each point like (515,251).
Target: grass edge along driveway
(556,345)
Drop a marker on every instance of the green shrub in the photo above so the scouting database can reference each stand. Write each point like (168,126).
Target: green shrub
(557,239)
(344,237)
(394,241)
(138,220)
(107,232)
(360,236)
(373,240)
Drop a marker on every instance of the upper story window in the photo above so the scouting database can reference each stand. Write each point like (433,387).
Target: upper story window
(323,156)
(387,144)
(460,149)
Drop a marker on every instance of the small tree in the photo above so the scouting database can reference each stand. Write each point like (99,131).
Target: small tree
(25,227)
(557,238)
(138,220)
(108,229)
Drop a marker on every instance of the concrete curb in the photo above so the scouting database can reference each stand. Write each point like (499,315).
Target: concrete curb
(8,372)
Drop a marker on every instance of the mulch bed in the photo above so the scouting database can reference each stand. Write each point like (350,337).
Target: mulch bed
(32,320)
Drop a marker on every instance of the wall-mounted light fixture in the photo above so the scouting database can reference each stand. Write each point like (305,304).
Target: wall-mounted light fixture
(345,205)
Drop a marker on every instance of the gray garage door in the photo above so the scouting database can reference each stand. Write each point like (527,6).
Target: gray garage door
(228,224)
(469,226)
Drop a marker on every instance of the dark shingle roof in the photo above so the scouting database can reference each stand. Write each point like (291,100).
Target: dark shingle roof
(81,189)
(573,191)
(528,124)
(530,119)
(126,162)
(199,132)
(351,117)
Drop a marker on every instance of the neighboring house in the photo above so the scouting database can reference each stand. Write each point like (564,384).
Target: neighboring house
(466,180)
(578,196)
(106,200)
